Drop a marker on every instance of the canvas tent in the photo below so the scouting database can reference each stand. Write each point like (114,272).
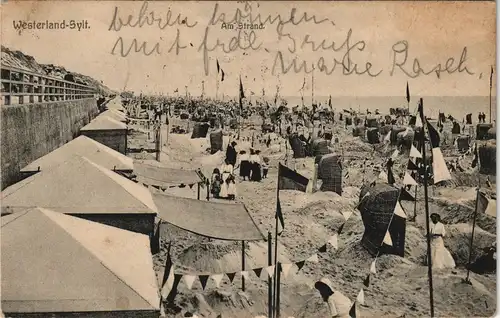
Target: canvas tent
(223,221)
(85,147)
(82,188)
(160,176)
(57,265)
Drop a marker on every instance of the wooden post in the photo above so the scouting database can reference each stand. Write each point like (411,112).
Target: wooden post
(243,264)
(199,188)
(426,197)
(269,280)
(315,178)
(208,190)
(415,206)
(472,235)
(158,142)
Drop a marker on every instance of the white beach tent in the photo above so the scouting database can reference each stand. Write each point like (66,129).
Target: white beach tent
(54,264)
(85,147)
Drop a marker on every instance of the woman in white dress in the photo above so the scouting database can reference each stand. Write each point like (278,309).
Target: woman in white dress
(440,256)
(227,171)
(231,188)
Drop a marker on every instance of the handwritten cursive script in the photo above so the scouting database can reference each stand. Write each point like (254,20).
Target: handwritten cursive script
(148,17)
(400,59)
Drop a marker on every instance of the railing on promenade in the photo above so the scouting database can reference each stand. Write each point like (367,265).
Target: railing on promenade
(24,87)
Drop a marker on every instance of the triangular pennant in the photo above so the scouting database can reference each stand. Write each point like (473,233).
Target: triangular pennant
(313,258)
(191,185)
(373,268)
(414,153)
(257,271)
(439,168)
(156,187)
(346,214)
(408,180)
(339,230)
(270,270)
(399,211)
(203,280)
(285,268)
(352,311)
(387,238)
(334,241)
(366,282)
(163,189)
(322,249)
(382,175)
(387,137)
(217,279)
(189,280)
(245,274)
(406,196)
(395,154)
(418,121)
(231,276)
(300,264)
(411,166)
(361,297)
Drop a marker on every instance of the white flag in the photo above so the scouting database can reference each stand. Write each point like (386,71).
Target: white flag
(387,137)
(373,268)
(387,238)
(361,297)
(418,121)
(334,241)
(313,259)
(270,270)
(245,274)
(189,280)
(414,153)
(286,269)
(408,180)
(399,210)
(439,168)
(217,279)
(347,214)
(383,176)
(395,154)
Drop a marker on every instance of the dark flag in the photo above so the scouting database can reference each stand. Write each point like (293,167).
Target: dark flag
(155,241)
(170,281)
(352,311)
(222,78)
(218,67)
(407,92)
(390,174)
(330,102)
(433,135)
(242,94)
(491,77)
(279,214)
(291,180)
(406,196)
(439,167)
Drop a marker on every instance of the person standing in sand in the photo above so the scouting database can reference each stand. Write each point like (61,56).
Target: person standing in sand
(244,165)
(441,257)
(338,304)
(231,153)
(256,173)
(231,188)
(227,171)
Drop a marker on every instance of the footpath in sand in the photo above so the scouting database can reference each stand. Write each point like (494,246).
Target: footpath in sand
(399,288)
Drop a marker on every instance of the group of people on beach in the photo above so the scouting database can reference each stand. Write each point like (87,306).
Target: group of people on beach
(251,167)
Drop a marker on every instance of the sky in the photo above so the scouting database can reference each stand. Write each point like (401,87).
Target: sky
(379,33)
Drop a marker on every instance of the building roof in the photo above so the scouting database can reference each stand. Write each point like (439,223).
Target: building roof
(224,221)
(104,123)
(85,147)
(78,186)
(114,114)
(53,262)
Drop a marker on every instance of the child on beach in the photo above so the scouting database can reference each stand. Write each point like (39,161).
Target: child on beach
(231,188)
(216,183)
(265,167)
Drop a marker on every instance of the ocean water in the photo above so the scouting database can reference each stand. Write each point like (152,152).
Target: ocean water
(458,107)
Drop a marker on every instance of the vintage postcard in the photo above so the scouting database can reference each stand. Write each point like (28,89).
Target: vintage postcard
(245,159)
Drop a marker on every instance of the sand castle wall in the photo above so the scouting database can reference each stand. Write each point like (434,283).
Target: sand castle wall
(30,131)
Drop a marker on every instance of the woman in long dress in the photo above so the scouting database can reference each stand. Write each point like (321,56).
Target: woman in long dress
(440,256)
(338,304)
(227,171)
(231,188)
(255,160)
(244,165)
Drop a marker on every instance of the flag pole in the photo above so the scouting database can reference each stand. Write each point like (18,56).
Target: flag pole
(269,279)
(467,280)
(275,304)
(426,198)
(491,84)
